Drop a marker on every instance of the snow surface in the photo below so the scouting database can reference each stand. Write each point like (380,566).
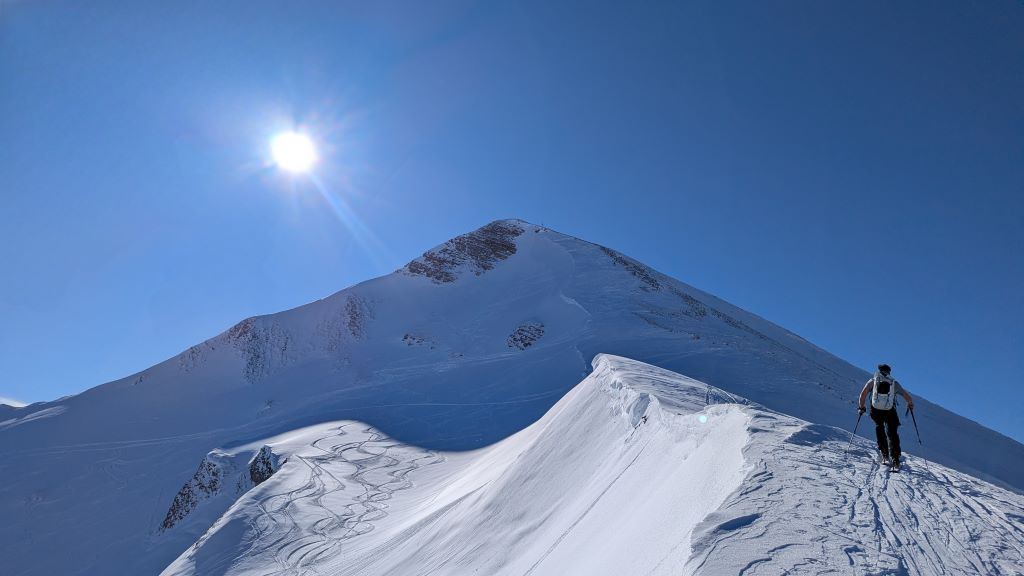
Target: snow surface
(632,472)
(467,346)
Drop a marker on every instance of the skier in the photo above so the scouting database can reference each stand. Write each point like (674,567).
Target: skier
(883,389)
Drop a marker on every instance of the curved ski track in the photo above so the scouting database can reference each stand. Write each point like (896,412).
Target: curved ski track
(376,465)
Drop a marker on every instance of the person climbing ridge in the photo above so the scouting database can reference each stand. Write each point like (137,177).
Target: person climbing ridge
(883,389)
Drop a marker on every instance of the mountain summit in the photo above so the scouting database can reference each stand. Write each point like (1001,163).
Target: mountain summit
(462,348)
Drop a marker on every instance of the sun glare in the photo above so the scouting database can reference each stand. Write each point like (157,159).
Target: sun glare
(293,152)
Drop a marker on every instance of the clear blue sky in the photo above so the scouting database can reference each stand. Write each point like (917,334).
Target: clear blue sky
(853,171)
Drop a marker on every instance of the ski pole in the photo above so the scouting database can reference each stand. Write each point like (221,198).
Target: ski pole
(854,435)
(912,417)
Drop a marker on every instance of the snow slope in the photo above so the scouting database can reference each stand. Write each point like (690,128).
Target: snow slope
(635,471)
(462,348)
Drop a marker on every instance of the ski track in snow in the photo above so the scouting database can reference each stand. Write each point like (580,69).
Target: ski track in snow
(811,508)
(378,472)
(810,503)
(95,472)
(297,528)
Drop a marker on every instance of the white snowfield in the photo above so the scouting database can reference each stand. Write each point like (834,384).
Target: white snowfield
(411,420)
(632,472)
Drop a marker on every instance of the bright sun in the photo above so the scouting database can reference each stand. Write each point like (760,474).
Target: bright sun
(293,151)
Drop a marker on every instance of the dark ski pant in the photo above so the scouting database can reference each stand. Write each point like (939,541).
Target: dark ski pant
(887,419)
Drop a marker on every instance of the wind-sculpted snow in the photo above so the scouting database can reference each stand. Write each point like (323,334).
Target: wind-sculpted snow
(447,366)
(810,506)
(635,471)
(632,455)
(337,488)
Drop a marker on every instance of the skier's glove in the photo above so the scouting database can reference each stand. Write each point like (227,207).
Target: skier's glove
(861,410)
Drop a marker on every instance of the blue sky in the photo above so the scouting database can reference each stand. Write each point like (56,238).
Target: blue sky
(851,171)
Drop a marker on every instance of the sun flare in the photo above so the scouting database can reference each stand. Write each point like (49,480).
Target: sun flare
(293,152)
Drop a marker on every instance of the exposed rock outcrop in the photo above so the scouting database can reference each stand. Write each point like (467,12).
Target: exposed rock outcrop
(263,465)
(477,251)
(344,323)
(216,475)
(205,483)
(697,309)
(525,335)
(192,358)
(415,340)
(645,274)
(264,345)
(357,314)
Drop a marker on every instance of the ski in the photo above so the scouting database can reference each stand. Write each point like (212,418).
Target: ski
(896,465)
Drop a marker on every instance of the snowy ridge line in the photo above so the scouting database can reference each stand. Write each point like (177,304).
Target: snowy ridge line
(809,507)
(462,389)
(354,502)
(965,525)
(728,487)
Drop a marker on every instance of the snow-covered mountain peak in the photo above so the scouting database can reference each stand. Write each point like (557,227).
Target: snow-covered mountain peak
(462,349)
(484,248)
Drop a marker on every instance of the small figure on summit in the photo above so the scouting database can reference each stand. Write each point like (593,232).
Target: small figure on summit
(883,389)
